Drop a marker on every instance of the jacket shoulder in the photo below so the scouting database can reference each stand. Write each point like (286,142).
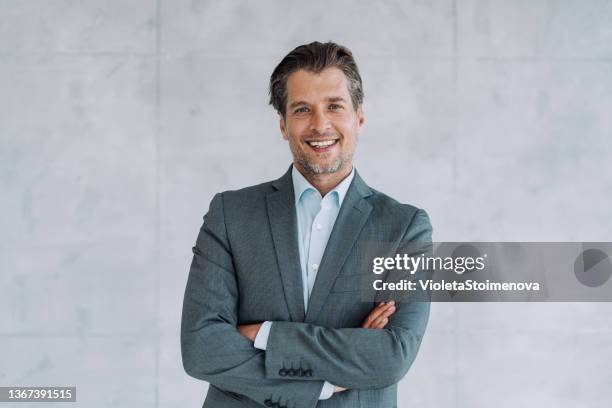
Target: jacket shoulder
(414,221)
(248,193)
(390,206)
(242,201)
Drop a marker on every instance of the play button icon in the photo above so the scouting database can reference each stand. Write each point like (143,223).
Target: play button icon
(593,267)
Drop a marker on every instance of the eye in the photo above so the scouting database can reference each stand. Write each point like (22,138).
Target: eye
(303,109)
(335,106)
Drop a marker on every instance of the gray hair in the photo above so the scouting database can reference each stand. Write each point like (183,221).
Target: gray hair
(315,57)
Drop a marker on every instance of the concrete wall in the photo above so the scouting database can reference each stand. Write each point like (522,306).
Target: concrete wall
(120,119)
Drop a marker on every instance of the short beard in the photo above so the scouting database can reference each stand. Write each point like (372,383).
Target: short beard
(315,169)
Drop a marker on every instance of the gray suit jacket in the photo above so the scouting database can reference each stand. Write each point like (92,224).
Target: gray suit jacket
(245,269)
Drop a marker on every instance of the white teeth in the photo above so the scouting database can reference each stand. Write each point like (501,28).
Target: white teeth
(322,144)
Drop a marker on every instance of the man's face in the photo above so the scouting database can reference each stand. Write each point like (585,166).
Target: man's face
(320,122)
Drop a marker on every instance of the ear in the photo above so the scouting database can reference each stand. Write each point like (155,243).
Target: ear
(360,117)
(283,129)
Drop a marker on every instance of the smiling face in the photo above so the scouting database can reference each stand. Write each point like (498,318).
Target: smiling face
(320,122)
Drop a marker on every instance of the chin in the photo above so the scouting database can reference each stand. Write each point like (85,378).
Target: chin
(323,168)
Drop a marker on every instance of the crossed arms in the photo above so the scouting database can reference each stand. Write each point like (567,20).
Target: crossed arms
(377,319)
(214,349)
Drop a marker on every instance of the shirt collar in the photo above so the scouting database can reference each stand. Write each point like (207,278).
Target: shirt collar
(300,185)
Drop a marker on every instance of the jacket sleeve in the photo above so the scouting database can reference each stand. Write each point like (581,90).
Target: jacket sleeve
(356,358)
(212,348)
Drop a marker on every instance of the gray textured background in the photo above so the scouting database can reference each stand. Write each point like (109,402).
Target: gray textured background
(120,119)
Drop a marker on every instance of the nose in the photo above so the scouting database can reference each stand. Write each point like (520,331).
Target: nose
(319,122)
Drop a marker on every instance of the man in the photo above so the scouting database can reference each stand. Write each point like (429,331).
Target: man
(272,314)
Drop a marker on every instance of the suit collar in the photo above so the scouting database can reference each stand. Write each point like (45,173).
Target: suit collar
(352,217)
(283,225)
(286,182)
(301,185)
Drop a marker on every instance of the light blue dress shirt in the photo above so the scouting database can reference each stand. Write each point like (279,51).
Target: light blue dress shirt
(316,217)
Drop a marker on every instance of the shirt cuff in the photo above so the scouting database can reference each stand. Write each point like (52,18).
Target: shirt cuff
(261,340)
(327,391)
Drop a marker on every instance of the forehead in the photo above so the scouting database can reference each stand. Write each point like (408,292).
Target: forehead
(308,86)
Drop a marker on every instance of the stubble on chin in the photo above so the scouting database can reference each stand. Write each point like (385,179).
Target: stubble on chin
(317,169)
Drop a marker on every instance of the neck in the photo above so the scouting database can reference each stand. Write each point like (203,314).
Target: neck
(326,182)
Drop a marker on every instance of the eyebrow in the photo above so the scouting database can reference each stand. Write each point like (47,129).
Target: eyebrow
(330,99)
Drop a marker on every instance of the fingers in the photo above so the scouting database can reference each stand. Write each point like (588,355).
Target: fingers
(380,323)
(374,315)
(383,319)
(379,316)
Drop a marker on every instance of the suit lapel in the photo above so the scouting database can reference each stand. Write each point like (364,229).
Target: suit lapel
(352,217)
(283,223)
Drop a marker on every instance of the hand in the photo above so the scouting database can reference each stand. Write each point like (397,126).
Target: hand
(377,319)
(249,330)
(379,316)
